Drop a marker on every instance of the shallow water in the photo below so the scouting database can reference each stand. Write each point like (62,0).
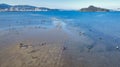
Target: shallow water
(91,39)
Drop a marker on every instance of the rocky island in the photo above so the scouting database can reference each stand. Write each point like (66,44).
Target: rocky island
(94,9)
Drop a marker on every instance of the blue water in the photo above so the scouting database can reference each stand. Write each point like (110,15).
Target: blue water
(104,22)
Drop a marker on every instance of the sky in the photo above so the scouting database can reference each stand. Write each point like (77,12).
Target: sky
(66,4)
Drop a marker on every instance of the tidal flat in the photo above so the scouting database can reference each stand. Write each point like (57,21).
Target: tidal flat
(59,39)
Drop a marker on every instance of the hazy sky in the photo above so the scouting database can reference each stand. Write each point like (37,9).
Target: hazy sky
(66,4)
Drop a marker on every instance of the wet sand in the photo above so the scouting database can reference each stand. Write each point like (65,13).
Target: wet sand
(41,47)
(44,47)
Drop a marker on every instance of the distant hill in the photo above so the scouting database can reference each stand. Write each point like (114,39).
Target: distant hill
(94,9)
(23,6)
(6,7)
